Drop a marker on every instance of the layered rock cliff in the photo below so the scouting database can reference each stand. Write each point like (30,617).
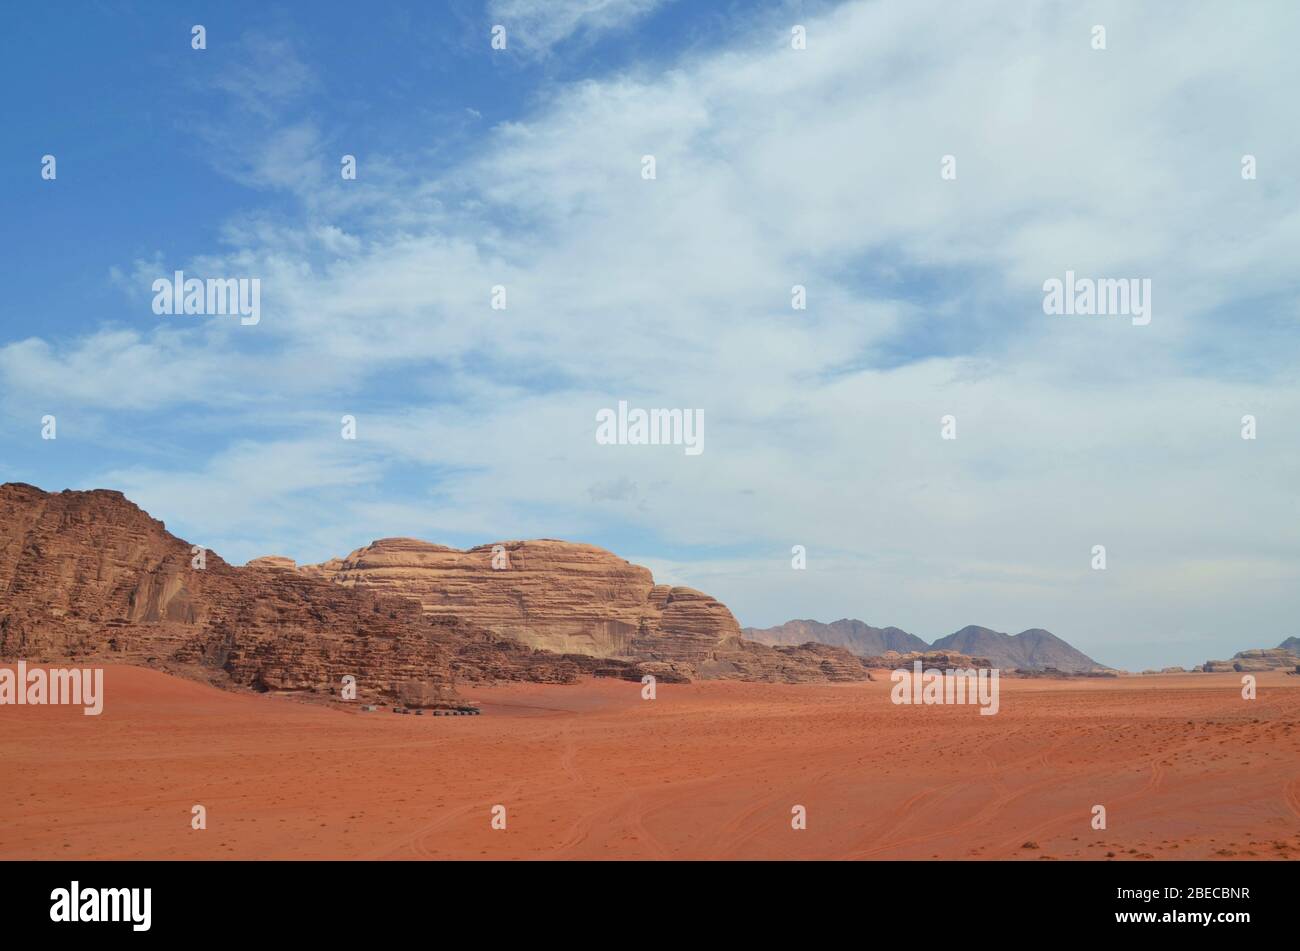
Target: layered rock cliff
(1268,658)
(579,599)
(90,575)
(554,595)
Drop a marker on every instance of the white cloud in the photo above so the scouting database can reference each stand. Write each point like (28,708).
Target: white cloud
(110,368)
(263,74)
(538,25)
(290,495)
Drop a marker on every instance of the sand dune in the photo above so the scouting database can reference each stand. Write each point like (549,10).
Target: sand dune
(1183,765)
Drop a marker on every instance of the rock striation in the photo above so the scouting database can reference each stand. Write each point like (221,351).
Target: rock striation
(938,660)
(1261,659)
(90,575)
(581,600)
(559,596)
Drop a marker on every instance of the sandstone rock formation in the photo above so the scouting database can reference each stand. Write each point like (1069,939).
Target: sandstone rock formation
(89,575)
(1250,661)
(939,660)
(278,562)
(738,659)
(558,596)
(581,600)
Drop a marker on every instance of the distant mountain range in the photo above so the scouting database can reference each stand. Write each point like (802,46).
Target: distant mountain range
(854,635)
(1034,649)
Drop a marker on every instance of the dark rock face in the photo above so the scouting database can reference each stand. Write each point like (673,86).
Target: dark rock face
(90,575)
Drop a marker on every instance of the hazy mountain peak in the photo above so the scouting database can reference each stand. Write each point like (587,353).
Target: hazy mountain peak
(1032,649)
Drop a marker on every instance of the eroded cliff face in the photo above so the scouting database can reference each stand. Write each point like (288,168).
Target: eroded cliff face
(1259,659)
(559,596)
(89,575)
(583,601)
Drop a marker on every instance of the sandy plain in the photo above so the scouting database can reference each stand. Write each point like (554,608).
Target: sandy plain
(1184,766)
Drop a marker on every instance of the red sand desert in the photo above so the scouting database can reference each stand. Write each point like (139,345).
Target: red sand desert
(1184,766)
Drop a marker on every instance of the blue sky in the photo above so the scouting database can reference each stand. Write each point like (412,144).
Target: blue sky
(775,167)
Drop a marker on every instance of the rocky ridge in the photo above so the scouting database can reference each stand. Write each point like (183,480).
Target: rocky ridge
(89,575)
(1031,650)
(1261,659)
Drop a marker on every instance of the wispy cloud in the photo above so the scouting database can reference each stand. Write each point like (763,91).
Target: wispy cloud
(539,25)
(264,75)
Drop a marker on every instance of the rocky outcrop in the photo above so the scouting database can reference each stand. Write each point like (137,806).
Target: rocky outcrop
(937,660)
(950,660)
(739,659)
(89,575)
(559,596)
(583,601)
(1252,661)
(276,562)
